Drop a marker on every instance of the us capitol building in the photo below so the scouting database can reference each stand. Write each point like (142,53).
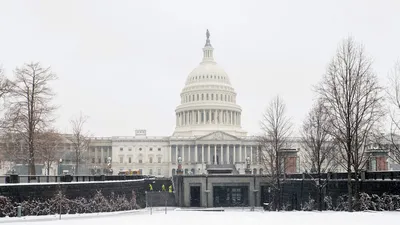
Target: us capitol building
(207,136)
(208,133)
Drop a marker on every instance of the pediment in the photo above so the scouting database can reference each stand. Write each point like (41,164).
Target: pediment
(218,136)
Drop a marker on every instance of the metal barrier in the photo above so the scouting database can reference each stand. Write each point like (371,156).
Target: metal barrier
(15,178)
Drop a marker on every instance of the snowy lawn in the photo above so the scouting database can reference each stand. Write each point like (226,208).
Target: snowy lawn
(229,217)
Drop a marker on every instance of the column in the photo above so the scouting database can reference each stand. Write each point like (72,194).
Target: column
(95,155)
(234,118)
(234,154)
(190,159)
(215,154)
(228,151)
(102,155)
(183,153)
(209,154)
(202,153)
(222,154)
(245,153)
(195,153)
(220,117)
(170,153)
(176,153)
(251,154)
(231,119)
(240,153)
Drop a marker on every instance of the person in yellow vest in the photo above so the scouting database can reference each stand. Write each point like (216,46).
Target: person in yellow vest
(151,187)
(163,187)
(170,189)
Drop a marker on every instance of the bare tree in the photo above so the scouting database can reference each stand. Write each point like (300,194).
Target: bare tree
(5,84)
(30,109)
(47,145)
(353,98)
(319,147)
(394,97)
(80,139)
(276,128)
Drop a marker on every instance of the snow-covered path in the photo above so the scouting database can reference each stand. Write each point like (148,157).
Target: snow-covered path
(230,217)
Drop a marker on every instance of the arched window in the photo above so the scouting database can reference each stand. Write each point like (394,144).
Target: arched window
(254,171)
(221,98)
(212,96)
(192,170)
(202,96)
(261,171)
(197,97)
(173,171)
(216,97)
(225,97)
(207,97)
(186,171)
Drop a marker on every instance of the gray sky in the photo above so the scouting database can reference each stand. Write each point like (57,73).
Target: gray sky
(124,63)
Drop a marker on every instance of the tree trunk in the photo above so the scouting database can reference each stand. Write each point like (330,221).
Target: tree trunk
(349,189)
(357,191)
(31,164)
(319,193)
(48,169)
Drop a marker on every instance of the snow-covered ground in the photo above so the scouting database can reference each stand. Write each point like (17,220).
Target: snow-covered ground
(229,217)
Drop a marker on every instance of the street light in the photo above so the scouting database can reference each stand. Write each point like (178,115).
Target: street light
(59,166)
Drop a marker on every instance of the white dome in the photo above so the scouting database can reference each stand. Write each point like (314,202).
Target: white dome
(208,72)
(208,101)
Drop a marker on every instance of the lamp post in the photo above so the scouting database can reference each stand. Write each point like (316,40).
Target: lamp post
(269,198)
(109,171)
(59,167)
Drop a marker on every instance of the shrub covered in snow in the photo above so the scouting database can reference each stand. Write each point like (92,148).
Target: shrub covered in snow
(98,203)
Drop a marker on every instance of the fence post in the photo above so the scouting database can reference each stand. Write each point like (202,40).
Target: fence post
(19,211)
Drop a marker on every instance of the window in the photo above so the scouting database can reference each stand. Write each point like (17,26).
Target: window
(159,159)
(129,149)
(150,171)
(99,160)
(159,149)
(93,160)
(121,149)
(151,160)
(121,159)
(140,161)
(212,96)
(105,160)
(202,96)
(130,160)
(151,149)
(159,171)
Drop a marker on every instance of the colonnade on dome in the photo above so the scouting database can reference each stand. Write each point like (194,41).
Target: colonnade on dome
(208,116)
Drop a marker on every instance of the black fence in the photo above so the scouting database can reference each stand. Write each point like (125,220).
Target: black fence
(364,175)
(15,178)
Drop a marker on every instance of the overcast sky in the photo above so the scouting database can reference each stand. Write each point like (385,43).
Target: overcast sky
(124,63)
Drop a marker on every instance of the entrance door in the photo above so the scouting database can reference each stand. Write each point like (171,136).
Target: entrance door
(195,196)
